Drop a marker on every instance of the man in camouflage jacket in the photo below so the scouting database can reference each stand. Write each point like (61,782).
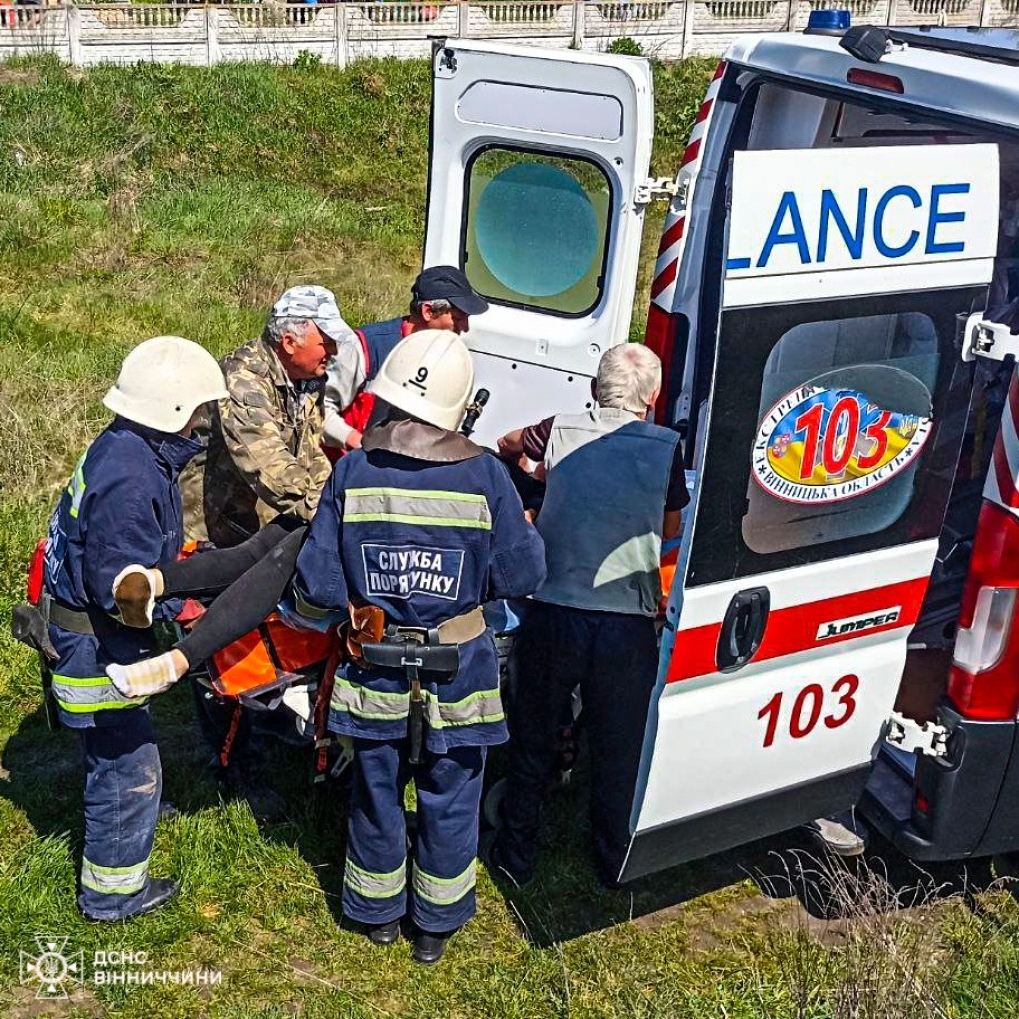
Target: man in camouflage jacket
(263,460)
(264,454)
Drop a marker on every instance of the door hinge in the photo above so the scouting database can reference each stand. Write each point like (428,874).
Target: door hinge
(663,188)
(928,738)
(987,339)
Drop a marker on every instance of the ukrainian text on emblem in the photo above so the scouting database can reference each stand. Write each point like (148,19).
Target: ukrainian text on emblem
(819,445)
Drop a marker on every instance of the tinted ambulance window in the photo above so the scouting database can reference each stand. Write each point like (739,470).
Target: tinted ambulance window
(537,230)
(836,428)
(845,409)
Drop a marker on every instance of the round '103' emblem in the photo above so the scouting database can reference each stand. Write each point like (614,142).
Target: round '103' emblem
(819,445)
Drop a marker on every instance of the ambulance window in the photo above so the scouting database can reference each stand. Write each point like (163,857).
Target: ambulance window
(833,430)
(845,408)
(784,118)
(537,230)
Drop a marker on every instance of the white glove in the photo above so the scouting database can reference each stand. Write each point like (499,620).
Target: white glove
(145,678)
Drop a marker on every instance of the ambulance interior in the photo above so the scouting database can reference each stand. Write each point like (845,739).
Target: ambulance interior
(784,118)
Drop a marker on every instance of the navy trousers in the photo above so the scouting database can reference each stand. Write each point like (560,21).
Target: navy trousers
(442,873)
(123,783)
(614,659)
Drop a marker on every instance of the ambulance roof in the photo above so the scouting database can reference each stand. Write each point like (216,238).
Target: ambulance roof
(975,75)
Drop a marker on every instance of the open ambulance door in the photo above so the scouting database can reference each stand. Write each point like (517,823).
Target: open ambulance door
(825,460)
(537,164)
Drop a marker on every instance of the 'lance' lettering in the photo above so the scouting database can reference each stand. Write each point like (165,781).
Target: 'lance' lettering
(886,249)
(797,235)
(830,210)
(935,247)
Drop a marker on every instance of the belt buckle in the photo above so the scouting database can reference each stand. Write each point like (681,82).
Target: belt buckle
(427,636)
(417,634)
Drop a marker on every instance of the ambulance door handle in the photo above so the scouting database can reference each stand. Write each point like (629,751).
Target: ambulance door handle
(742,628)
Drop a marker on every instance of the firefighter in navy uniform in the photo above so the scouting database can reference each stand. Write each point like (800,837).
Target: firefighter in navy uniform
(413,532)
(121,505)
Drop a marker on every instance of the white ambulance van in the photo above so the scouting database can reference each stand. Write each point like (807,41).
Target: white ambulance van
(841,232)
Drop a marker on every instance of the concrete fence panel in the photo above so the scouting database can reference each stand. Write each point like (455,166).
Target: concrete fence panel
(279,32)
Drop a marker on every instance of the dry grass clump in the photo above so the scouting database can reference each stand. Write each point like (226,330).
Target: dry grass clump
(883,951)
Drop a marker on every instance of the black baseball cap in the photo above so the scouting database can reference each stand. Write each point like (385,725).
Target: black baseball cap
(448,283)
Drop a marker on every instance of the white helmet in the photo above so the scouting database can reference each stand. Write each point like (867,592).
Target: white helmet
(163,381)
(430,375)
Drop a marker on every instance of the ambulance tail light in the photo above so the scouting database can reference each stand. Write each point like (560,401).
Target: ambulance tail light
(659,336)
(875,79)
(657,333)
(984,683)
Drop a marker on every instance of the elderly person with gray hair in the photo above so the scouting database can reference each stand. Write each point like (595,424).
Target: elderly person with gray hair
(264,454)
(263,465)
(615,487)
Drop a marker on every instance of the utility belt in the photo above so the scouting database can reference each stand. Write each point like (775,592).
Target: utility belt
(436,647)
(72,620)
(415,649)
(29,624)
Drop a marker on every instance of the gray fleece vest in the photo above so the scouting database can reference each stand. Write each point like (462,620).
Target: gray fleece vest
(608,474)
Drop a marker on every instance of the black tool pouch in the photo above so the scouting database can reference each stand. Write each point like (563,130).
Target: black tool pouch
(414,652)
(29,626)
(426,657)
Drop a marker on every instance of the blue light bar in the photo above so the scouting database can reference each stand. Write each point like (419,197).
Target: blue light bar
(827,23)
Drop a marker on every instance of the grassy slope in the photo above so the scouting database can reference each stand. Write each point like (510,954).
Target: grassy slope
(146,200)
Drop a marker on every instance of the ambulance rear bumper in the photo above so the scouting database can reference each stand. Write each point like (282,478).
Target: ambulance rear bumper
(965,804)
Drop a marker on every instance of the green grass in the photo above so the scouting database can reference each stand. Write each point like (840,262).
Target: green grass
(142,200)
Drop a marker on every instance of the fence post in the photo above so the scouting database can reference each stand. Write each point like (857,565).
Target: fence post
(790,14)
(340,14)
(985,9)
(687,38)
(463,11)
(72,18)
(579,17)
(211,37)
(891,12)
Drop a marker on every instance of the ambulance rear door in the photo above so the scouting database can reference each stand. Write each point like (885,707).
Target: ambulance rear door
(537,177)
(825,460)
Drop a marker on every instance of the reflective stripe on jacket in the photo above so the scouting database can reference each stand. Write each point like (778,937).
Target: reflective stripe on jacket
(425,537)
(121,506)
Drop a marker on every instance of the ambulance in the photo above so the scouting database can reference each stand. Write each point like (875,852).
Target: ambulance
(841,239)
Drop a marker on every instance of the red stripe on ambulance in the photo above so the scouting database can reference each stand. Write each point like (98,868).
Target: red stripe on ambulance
(670,248)
(664,278)
(795,629)
(673,235)
(693,150)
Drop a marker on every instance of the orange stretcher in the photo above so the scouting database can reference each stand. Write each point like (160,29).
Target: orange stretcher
(268,657)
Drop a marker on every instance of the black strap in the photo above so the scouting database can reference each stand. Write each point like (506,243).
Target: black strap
(67,619)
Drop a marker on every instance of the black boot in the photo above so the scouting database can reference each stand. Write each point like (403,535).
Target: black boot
(429,948)
(158,892)
(384,933)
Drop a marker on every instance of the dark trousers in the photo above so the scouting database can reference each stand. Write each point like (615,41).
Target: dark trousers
(443,871)
(123,782)
(614,659)
(248,581)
